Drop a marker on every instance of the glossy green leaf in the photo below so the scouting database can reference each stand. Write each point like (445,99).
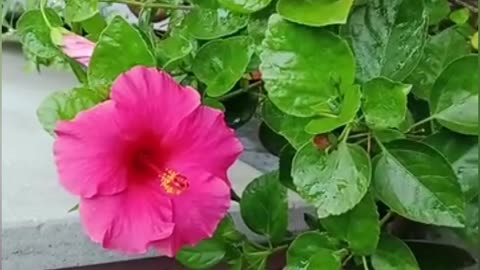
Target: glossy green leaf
(119,48)
(211,22)
(460,16)
(257,25)
(285,166)
(439,51)
(172,49)
(34,33)
(324,259)
(387,37)
(240,109)
(385,103)
(65,106)
(438,256)
(254,258)
(303,80)
(437,10)
(245,6)
(348,111)
(94,26)
(290,127)
(454,96)
(211,102)
(80,10)
(227,232)
(263,213)
(416,181)
(304,247)
(359,227)
(462,153)
(205,255)
(393,254)
(471,233)
(332,182)
(388,135)
(221,63)
(315,13)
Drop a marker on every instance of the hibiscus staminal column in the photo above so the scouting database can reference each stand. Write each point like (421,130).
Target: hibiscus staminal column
(149,165)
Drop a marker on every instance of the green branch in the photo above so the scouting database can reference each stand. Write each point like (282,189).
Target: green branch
(152,5)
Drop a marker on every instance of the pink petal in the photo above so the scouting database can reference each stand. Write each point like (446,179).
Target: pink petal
(90,153)
(203,138)
(78,48)
(129,221)
(152,99)
(196,212)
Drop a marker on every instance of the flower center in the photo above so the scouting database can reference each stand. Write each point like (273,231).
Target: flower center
(171,181)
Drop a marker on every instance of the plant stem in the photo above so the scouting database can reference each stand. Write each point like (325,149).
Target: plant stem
(359,135)
(152,5)
(385,218)
(344,135)
(279,248)
(350,256)
(369,143)
(42,11)
(240,91)
(364,261)
(421,122)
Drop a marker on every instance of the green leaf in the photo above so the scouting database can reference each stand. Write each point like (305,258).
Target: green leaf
(303,80)
(437,10)
(470,234)
(172,49)
(290,127)
(349,108)
(359,227)
(333,182)
(94,26)
(227,232)
(257,25)
(263,213)
(285,166)
(454,97)
(240,109)
(387,37)
(34,33)
(385,103)
(119,48)
(221,63)
(205,255)
(272,141)
(416,182)
(462,153)
(65,106)
(245,6)
(324,259)
(211,102)
(393,254)
(254,258)
(439,51)
(211,22)
(80,10)
(460,16)
(438,256)
(315,13)
(304,247)
(388,135)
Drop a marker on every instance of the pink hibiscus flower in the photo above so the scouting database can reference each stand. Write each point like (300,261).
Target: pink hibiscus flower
(78,48)
(149,165)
